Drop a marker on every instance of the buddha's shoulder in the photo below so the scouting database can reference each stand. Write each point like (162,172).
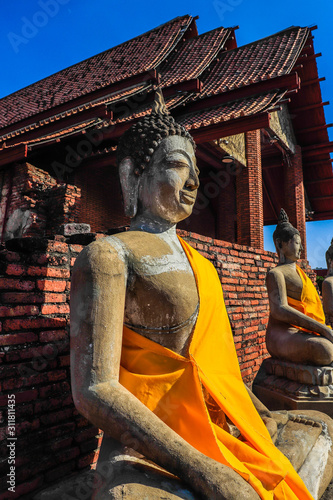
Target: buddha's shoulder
(276,273)
(127,245)
(283,272)
(101,252)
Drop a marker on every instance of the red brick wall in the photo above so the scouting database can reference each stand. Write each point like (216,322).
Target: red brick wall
(294,194)
(250,205)
(53,439)
(101,204)
(33,204)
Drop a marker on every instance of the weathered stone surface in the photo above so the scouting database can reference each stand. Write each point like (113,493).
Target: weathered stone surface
(297,389)
(130,483)
(306,439)
(134,479)
(74,228)
(295,440)
(328,494)
(304,374)
(281,125)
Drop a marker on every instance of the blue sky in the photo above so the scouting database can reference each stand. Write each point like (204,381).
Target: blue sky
(40,37)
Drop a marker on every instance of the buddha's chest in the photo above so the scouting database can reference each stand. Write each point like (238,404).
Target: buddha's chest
(294,284)
(160,294)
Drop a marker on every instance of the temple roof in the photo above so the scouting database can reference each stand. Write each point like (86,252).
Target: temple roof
(264,59)
(211,86)
(130,58)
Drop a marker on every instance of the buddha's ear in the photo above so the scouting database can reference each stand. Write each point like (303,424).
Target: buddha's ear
(129,181)
(278,244)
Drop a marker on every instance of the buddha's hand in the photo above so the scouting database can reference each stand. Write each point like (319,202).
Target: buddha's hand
(271,426)
(328,333)
(215,481)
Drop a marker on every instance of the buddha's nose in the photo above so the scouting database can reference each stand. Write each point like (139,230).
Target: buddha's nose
(192,182)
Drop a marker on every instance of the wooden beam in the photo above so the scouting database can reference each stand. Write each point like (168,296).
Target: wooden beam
(323,215)
(209,158)
(289,82)
(305,58)
(194,85)
(309,106)
(14,154)
(316,163)
(314,129)
(312,82)
(322,198)
(230,127)
(317,149)
(318,181)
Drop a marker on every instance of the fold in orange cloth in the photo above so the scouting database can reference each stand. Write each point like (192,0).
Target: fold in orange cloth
(310,303)
(171,386)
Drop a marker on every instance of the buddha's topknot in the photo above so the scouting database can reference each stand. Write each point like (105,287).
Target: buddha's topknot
(141,140)
(284,230)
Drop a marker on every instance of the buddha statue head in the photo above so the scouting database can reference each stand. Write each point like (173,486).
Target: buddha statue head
(329,259)
(287,240)
(157,167)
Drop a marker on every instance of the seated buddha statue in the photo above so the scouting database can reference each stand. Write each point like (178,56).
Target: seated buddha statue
(153,360)
(327,289)
(296,330)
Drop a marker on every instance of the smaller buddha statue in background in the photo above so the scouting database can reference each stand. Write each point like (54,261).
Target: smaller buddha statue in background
(296,330)
(327,289)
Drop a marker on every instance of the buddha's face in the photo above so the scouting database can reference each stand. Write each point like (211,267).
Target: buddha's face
(292,249)
(168,187)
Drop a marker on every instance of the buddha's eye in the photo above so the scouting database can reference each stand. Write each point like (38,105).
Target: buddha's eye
(177,164)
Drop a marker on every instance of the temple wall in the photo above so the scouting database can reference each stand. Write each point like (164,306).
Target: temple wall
(33,203)
(53,440)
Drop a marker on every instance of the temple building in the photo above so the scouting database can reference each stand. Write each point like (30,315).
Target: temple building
(258,107)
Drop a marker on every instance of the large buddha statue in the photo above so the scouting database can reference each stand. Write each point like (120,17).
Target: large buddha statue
(296,329)
(327,289)
(152,354)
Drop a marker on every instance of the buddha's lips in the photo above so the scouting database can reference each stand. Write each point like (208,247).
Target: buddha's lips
(187,198)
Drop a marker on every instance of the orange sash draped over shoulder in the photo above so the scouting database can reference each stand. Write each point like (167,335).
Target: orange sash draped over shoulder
(310,303)
(171,386)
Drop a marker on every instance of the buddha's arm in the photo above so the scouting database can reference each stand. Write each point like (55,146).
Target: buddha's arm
(327,292)
(97,309)
(280,309)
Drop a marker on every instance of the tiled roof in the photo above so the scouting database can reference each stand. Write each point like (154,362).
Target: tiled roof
(117,96)
(141,54)
(193,56)
(229,111)
(267,58)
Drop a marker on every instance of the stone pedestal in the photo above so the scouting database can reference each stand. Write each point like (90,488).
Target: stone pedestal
(281,385)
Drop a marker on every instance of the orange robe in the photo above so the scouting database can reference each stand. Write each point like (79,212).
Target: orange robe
(171,386)
(310,303)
